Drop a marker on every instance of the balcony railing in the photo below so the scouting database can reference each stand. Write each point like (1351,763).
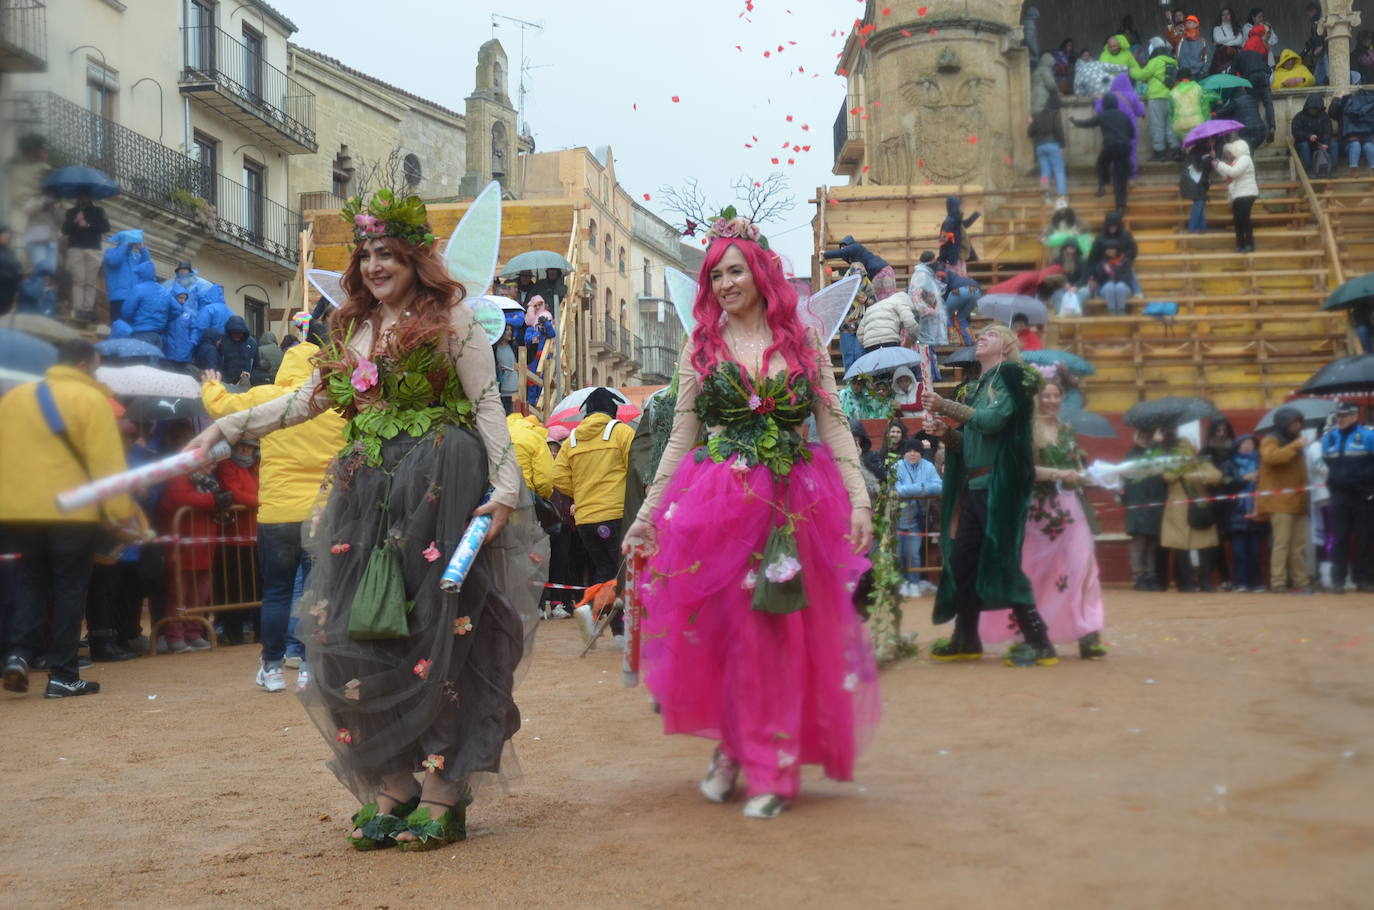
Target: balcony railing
(657,360)
(626,343)
(161,177)
(849,134)
(609,336)
(23,36)
(216,66)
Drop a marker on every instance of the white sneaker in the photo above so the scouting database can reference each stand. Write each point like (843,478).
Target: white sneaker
(560,612)
(720,778)
(586,623)
(272,680)
(618,642)
(198,644)
(925,587)
(910,590)
(292,663)
(303,679)
(178,647)
(765,805)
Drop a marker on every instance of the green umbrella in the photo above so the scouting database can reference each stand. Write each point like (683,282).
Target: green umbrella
(1220,81)
(1351,294)
(1075,364)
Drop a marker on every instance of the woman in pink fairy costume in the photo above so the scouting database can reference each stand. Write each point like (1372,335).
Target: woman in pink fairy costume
(1057,554)
(755,541)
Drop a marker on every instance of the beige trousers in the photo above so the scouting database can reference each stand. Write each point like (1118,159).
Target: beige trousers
(84,266)
(1288,550)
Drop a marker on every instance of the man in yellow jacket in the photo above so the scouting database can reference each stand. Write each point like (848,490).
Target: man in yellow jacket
(531,440)
(289,482)
(56,549)
(591,469)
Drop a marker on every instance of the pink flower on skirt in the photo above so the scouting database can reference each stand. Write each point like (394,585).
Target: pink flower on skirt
(364,375)
(751,580)
(344,736)
(421,669)
(339,548)
(431,552)
(782,570)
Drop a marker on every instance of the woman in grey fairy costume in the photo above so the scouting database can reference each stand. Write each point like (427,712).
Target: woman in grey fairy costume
(410,679)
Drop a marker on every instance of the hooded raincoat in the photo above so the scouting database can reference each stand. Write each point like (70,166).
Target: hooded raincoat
(1291,73)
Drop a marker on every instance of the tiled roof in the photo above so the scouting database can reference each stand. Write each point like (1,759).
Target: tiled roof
(274,14)
(373,79)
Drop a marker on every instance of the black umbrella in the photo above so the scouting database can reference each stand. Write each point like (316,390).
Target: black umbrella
(1086,423)
(150,408)
(963,357)
(1314,412)
(1351,374)
(1168,412)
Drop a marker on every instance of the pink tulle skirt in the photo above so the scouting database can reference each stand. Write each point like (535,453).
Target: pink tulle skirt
(778,691)
(1060,560)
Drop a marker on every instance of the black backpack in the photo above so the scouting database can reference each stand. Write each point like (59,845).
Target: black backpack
(1170,75)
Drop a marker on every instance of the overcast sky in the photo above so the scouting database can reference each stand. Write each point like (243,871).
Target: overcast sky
(594,62)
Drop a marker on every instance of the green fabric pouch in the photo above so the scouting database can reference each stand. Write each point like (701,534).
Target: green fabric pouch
(379,604)
(788,594)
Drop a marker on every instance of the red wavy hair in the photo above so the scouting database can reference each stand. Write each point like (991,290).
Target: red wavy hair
(780,310)
(436,293)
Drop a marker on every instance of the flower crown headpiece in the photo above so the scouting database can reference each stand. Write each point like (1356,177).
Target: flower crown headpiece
(731,224)
(384,215)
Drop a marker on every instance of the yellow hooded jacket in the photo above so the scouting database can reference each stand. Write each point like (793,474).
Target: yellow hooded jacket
(39,466)
(531,441)
(592,469)
(1297,71)
(1123,57)
(293,459)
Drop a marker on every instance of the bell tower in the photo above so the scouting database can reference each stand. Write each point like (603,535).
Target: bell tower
(491,123)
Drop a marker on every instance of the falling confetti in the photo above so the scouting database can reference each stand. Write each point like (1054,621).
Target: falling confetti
(906,34)
(789,118)
(922,11)
(887,11)
(646,197)
(774,160)
(676,99)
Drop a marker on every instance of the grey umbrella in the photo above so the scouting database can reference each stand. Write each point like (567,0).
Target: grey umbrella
(1168,412)
(881,360)
(1314,412)
(1005,307)
(963,357)
(533,261)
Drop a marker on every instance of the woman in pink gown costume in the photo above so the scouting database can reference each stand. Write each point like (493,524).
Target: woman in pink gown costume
(755,543)
(1058,553)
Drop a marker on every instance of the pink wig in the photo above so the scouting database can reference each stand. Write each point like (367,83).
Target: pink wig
(780,308)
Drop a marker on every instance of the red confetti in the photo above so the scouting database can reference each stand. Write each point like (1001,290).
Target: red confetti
(738,48)
(920,162)
(676,99)
(921,11)
(906,34)
(863,42)
(887,12)
(796,148)
(789,118)
(833,201)
(748,145)
(636,106)
(806,148)
(867,28)
(932,29)
(856,110)
(865,170)
(806,128)
(801,69)
(767,53)
(756,183)
(973,140)
(844,72)
(780,48)
(755,138)
(1006,159)
(774,160)
(646,197)
(791,160)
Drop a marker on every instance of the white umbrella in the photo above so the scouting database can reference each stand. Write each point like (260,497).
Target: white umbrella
(137,381)
(573,401)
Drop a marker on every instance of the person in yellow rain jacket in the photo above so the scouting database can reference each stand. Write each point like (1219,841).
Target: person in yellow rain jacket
(531,441)
(1291,73)
(56,550)
(292,470)
(591,468)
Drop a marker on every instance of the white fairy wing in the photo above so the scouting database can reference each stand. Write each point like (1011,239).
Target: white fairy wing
(475,244)
(489,315)
(825,310)
(327,283)
(682,291)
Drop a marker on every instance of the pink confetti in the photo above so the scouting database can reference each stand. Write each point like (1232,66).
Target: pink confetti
(646,197)
(676,99)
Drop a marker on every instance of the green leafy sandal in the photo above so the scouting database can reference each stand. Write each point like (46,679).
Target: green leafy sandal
(431,833)
(379,829)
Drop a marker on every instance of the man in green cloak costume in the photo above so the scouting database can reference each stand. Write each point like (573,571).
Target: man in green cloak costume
(989,475)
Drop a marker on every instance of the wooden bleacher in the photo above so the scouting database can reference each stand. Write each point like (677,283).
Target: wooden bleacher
(1250,328)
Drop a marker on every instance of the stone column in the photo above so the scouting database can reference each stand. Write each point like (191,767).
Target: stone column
(1337,26)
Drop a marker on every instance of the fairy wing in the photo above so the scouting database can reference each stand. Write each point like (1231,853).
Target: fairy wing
(682,291)
(327,283)
(825,310)
(475,244)
(490,316)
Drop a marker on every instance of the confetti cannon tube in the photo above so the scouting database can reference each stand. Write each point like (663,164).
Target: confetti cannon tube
(98,491)
(463,556)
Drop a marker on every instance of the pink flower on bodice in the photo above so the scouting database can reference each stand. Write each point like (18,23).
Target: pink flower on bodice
(364,375)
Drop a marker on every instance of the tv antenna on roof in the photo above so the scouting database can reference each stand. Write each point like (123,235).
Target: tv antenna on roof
(525,67)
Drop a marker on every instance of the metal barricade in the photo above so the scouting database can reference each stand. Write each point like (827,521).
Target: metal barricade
(929,559)
(214,573)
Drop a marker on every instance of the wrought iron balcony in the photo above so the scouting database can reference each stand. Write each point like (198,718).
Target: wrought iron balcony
(251,226)
(626,343)
(23,36)
(608,335)
(849,137)
(657,363)
(237,83)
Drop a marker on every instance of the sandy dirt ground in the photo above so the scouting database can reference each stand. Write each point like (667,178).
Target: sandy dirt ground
(1223,756)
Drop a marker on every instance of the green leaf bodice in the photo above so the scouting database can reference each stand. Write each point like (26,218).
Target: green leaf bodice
(758,419)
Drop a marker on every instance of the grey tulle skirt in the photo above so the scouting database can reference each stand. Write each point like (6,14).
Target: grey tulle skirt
(439,699)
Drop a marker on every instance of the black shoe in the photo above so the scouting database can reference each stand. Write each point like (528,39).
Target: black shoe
(84,642)
(108,650)
(83,662)
(16,674)
(1208,589)
(1365,588)
(60,689)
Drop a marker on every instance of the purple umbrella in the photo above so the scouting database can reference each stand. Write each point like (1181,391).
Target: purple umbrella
(1209,129)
